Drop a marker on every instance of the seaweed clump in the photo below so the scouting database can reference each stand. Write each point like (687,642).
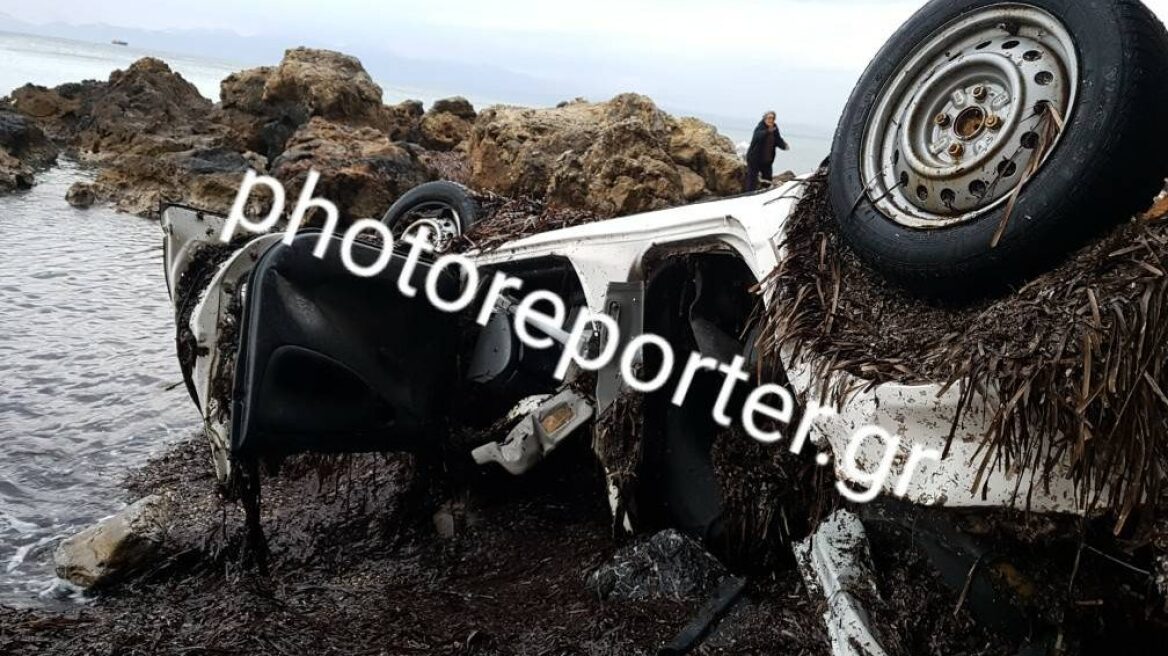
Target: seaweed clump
(1072,367)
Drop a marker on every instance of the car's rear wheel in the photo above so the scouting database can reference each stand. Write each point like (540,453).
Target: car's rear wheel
(445,209)
(987,139)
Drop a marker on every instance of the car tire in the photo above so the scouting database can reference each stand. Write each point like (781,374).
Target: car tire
(446,208)
(1105,163)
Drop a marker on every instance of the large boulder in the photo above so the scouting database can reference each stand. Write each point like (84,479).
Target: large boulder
(115,547)
(146,109)
(263,107)
(14,174)
(698,146)
(24,149)
(455,106)
(253,124)
(361,171)
(616,157)
(624,171)
(403,121)
(327,84)
(447,125)
(81,195)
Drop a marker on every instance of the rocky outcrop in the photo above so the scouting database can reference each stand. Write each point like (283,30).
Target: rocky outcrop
(403,120)
(361,170)
(116,547)
(447,125)
(206,178)
(24,149)
(455,106)
(252,124)
(157,140)
(697,146)
(616,157)
(263,107)
(147,109)
(60,111)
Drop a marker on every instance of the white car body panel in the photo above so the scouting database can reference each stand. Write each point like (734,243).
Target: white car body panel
(751,226)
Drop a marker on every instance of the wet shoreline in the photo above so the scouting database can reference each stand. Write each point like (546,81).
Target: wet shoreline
(88,367)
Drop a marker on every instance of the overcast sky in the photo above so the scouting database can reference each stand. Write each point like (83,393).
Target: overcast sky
(731,58)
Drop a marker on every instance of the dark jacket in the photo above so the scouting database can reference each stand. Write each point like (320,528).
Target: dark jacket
(758,153)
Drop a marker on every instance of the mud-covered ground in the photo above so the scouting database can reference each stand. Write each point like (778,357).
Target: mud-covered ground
(357,567)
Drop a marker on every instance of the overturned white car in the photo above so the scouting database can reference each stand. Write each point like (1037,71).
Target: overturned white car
(970,156)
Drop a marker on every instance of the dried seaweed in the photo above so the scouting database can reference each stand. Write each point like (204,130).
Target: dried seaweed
(1071,367)
(507,219)
(619,442)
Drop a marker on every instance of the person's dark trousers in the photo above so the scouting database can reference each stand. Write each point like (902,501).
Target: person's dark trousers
(755,171)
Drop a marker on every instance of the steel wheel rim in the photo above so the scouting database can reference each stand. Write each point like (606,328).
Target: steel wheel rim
(441,219)
(932,156)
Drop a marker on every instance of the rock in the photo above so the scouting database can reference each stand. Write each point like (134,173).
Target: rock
(81,194)
(253,124)
(456,106)
(14,174)
(698,146)
(23,139)
(263,107)
(441,131)
(692,184)
(54,111)
(361,170)
(403,120)
(615,157)
(624,172)
(783,178)
(445,127)
(244,90)
(24,149)
(115,547)
(146,109)
(205,178)
(327,84)
(668,565)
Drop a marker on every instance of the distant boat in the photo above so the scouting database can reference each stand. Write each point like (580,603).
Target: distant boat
(119,42)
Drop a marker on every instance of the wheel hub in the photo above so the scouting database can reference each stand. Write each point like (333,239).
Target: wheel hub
(960,120)
(440,219)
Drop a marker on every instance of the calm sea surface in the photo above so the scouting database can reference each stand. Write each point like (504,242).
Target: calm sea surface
(87,371)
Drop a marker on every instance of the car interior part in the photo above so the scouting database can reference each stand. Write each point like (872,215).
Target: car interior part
(539,433)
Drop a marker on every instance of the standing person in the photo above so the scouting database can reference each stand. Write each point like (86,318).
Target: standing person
(761,156)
